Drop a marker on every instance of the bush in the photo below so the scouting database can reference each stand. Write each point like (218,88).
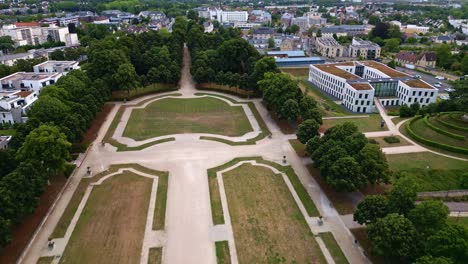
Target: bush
(69,168)
(430,142)
(406,111)
(373,141)
(392,140)
(451,125)
(442,131)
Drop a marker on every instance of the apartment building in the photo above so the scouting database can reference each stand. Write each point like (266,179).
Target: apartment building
(329,47)
(33,34)
(62,67)
(221,15)
(343,30)
(28,81)
(424,59)
(364,49)
(263,33)
(357,83)
(14,105)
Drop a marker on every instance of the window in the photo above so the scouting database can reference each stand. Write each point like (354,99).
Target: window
(359,109)
(432,93)
(360,96)
(364,109)
(420,93)
(368,102)
(427,100)
(425,94)
(366,96)
(414,93)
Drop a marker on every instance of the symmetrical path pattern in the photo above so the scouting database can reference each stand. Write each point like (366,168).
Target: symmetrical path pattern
(189,233)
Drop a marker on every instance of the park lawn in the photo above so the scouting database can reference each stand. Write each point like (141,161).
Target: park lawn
(364,124)
(197,115)
(434,122)
(267,223)
(333,247)
(298,147)
(65,219)
(397,120)
(454,119)
(342,202)
(432,172)
(326,105)
(426,132)
(155,256)
(112,225)
(384,144)
(223,255)
(7,132)
(45,260)
(458,220)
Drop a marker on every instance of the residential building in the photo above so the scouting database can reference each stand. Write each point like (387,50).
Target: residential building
(364,49)
(32,34)
(424,59)
(4,141)
(13,105)
(153,15)
(356,84)
(208,27)
(231,16)
(459,24)
(444,39)
(62,67)
(302,22)
(286,19)
(344,30)
(263,33)
(10,59)
(329,47)
(260,16)
(28,81)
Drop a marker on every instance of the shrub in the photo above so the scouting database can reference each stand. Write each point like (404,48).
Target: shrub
(373,141)
(69,168)
(430,142)
(392,140)
(451,125)
(442,131)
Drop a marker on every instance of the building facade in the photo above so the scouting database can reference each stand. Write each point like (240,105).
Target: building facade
(356,84)
(329,47)
(364,49)
(62,67)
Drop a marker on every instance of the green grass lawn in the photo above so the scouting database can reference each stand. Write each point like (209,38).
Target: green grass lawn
(159,215)
(222,252)
(198,115)
(384,144)
(397,120)
(298,147)
(267,223)
(432,172)
(458,220)
(112,225)
(424,131)
(364,124)
(334,248)
(326,105)
(155,256)
(7,132)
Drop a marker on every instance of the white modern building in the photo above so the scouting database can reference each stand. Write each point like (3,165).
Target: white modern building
(222,16)
(357,83)
(14,105)
(56,66)
(10,59)
(28,81)
(32,34)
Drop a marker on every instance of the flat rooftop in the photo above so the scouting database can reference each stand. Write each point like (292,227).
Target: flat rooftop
(361,86)
(384,69)
(30,76)
(416,83)
(292,53)
(332,69)
(56,63)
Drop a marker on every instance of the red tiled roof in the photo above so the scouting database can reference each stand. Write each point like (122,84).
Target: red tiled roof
(27,24)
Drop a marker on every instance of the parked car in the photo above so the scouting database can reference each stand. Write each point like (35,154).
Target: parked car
(444,97)
(440,77)
(418,76)
(448,90)
(437,85)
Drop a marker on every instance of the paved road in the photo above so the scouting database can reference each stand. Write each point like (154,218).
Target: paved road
(427,78)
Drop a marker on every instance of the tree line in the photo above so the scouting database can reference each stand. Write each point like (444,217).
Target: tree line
(402,231)
(63,112)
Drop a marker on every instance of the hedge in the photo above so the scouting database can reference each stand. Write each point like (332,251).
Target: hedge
(430,142)
(442,131)
(447,124)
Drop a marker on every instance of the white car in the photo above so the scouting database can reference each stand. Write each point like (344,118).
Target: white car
(440,77)
(437,85)
(444,97)
(448,90)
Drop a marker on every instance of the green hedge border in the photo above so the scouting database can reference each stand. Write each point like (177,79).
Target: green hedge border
(430,142)
(442,131)
(447,124)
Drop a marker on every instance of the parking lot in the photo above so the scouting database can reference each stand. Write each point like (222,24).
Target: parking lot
(428,78)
